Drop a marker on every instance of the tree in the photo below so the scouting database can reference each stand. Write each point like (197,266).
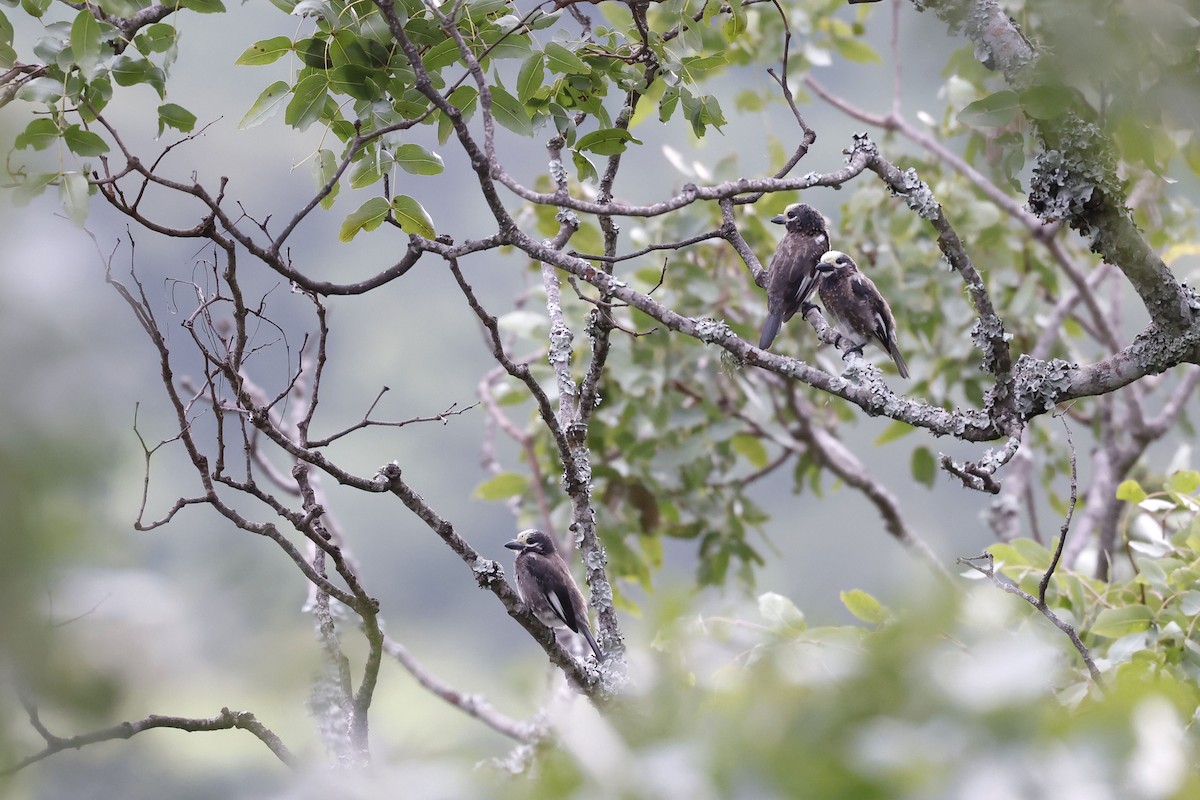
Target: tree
(661,423)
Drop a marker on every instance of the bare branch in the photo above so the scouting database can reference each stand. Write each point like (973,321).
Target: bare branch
(226,720)
(472,705)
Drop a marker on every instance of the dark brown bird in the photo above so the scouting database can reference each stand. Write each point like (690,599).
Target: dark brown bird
(546,585)
(793,271)
(856,307)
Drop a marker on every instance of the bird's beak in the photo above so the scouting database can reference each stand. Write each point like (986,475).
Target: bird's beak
(778,219)
(515,544)
(824,266)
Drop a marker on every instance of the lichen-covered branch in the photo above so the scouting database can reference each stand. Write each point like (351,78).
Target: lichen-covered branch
(226,720)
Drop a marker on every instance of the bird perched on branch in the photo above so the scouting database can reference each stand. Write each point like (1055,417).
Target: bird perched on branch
(792,274)
(856,307)
(546,586)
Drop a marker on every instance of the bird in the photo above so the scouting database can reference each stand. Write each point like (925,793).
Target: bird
(546,586)
(792,273)
(856,307)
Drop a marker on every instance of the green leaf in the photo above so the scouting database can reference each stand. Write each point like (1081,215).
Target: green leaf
(1131,492)
(1151,573)
(856,50)
(323,167)
(584,168)
(73,194)
(466,100)
(441,55)
(368,217)
(412,216)
(35,8)
(85,43)
(994,111)
(121,8)
(83,142)
(266,106)
(203,6)
(308,98)
(501,487)
(606,142)
(564,62)
(509,112)
(6,30)
(895,430)
(39,134)
(924,466)
(735,25)
(267,51)
(751,448)
(668,103)
(32,186)
(1189,602)
(128,71)
(1113,623)
(45,90)
(1185,481)
(531,77)
(171,115)
(781,613)
(1046,102)
(417,160)
(156,38)
(864,606)
(696,67)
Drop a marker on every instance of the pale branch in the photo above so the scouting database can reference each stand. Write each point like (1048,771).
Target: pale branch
(989,334)
(732,235)
(575,404)
(1044,583)
(453,410)
(979,475)
(1008,585)
(897,123)
(367,611)
(226,720)
(652,248)
(489,575)
(1039,602)
(817,439)
(1073,165)
(17,76)
(472,705)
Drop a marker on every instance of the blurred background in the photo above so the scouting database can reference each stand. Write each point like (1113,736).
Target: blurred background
(113,624)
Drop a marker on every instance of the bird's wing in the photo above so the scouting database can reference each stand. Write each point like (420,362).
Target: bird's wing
(805,253)
(882,324)
(556,589)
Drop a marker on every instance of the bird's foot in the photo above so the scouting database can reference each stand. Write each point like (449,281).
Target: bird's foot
(806,307)
(857,350)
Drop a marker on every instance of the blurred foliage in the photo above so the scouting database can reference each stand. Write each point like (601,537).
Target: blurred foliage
(958,695)
(944,699)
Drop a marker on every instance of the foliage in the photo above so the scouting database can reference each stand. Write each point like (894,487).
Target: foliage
(645,414)
(956,695)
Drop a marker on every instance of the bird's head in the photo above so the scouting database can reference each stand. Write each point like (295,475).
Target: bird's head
(801,218)
(834,260)
(532,541)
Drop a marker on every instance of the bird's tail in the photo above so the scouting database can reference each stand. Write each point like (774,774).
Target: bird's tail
(894,351)
(770,330)
(587,634)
